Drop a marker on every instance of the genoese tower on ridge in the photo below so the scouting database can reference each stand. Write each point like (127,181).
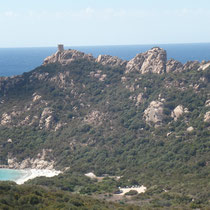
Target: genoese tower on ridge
(60,47)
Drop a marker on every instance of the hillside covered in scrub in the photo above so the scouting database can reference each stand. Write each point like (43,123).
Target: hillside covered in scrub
(146,120)
(31,197)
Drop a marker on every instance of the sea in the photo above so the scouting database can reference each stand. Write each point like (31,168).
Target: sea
(15,61)
(11,174)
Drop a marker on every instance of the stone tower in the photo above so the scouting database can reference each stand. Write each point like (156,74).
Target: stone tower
(60,48)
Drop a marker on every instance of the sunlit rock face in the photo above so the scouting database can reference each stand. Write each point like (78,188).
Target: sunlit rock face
(110,60)
(173,66)
(154,113)
(152,61)
(66,57)
(207,117)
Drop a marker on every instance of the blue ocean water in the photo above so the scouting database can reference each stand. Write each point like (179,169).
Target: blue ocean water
(15,61)
(10,174)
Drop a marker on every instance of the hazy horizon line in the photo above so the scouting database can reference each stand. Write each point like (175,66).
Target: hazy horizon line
(154,44)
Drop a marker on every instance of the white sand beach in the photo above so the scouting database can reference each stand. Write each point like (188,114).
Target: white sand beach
(33,173)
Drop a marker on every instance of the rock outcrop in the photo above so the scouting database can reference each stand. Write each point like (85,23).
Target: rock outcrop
(36,97)
(62,80)
(98,75)
(207,117)
(191,65)
(110,60)
(39,162)
(66,57)
(95,118)
(6,119)
(178,112)
(190,129)
(173,66)
(46,119)
(139,99)
(152,61)
(204,65)
(154,113)
(207,104)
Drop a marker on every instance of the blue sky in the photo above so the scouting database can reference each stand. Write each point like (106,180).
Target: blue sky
(38,23)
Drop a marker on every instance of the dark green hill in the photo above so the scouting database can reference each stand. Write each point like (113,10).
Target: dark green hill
(146,120)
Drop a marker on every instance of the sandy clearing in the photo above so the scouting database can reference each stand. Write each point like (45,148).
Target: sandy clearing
(141,189)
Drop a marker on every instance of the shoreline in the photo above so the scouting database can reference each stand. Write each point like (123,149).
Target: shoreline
(33,173)
(28,174)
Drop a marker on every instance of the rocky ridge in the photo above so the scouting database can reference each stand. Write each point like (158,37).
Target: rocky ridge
(153,61)
(66,57)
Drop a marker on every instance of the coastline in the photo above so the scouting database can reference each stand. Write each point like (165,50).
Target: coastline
(33,173)
(28,174)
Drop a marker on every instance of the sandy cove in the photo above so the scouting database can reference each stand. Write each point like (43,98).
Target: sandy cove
(33,173)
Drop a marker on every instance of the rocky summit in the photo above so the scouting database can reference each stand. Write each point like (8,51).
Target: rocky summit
(145,121)
(153,61)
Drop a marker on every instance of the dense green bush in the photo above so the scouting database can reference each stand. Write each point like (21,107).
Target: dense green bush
(131,192)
